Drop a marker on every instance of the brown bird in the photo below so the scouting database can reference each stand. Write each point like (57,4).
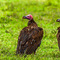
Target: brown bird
(58,20)
(58,37)
(30,37)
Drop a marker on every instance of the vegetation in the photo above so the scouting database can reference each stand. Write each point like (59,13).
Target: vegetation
(45,13)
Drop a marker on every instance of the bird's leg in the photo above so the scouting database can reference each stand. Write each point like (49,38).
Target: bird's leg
(34,53)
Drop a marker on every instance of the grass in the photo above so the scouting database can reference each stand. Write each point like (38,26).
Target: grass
(45,14)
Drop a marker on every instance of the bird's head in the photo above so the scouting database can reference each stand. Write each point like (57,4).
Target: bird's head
(58,20)
(29,17)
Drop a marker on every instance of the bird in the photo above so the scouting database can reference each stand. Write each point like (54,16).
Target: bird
(58,20)
(58,37)
(30,37)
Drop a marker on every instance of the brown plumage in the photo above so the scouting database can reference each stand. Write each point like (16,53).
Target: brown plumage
(58,37)
(30,37)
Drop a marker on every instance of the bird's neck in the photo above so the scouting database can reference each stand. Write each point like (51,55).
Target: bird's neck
(32,23)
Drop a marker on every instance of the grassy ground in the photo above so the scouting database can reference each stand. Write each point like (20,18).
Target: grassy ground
(45,13)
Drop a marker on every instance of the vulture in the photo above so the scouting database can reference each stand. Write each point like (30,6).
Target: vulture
(30,37)
(58,35)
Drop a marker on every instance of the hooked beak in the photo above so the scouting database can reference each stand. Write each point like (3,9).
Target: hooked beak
(58,20)
(24,17)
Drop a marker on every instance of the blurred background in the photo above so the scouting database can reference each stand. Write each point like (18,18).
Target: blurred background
(45,14)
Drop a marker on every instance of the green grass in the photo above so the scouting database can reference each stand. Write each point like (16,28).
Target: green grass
(45,14)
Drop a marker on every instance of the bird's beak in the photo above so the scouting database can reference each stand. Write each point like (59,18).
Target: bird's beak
(24,17)
(58,20)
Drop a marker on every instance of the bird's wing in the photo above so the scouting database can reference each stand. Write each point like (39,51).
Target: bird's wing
(58,36)
(30,39)
(22,38)
(34,40)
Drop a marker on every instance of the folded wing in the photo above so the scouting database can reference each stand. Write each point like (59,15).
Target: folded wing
(29,40)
